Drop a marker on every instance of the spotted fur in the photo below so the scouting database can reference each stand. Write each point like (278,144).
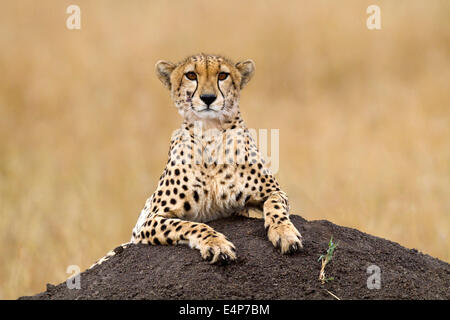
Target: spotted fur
(197,185)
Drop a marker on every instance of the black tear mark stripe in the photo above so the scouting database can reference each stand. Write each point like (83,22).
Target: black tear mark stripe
(196,81)
(220,90)
(196,86)
(218,86)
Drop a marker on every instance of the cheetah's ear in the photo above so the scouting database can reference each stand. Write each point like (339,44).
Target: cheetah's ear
(163,71)
(247,69)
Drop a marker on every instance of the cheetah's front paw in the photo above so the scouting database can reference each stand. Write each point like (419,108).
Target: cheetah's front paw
(286,237)
(218,250)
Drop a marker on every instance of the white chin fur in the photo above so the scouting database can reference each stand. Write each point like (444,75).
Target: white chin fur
(208,114)
(192,115)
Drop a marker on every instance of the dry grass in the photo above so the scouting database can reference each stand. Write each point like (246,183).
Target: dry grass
(84,123)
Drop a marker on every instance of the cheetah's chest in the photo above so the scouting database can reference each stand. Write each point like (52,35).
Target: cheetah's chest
(218,192)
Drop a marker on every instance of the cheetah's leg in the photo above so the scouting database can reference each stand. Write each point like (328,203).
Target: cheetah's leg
(249,213)
(213,245)
(280,230)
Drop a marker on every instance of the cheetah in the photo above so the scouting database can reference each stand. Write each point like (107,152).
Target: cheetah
(214,168)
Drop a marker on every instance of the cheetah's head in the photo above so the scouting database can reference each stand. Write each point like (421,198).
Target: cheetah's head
(205,86)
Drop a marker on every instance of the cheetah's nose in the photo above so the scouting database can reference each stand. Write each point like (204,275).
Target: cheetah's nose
(208,98)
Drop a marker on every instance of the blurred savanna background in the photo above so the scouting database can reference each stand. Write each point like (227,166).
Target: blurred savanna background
(85,124)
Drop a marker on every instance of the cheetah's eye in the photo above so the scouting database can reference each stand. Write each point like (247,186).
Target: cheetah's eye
(222,76)
(191,75)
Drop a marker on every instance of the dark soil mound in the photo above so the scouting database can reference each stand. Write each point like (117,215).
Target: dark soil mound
(177,272)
